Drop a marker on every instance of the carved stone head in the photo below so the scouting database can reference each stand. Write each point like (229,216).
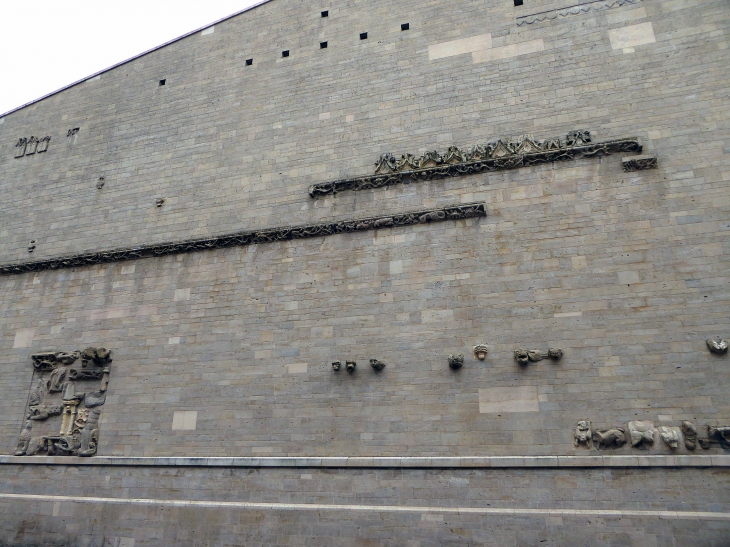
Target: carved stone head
(717,346)
(377,365)
(336,366)
(555,353)
(456,361)
(480,351)
(522,357)
(350,366)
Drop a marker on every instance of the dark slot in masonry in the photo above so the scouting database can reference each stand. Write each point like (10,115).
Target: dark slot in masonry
(451,212)
(460,168)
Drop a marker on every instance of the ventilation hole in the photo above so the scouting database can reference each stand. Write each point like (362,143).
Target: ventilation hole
(162,82)
(363,36)
(518,2)
(323,45)
(249,62)
(285,53)
(325,14)
(405,26)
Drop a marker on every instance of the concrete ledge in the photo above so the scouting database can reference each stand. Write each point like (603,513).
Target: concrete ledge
(425,462)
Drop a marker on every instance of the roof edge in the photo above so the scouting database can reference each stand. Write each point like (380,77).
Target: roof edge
(99,73)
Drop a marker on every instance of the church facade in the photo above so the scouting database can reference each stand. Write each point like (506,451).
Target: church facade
(406,273)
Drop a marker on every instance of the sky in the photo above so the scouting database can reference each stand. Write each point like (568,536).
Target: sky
(48,44)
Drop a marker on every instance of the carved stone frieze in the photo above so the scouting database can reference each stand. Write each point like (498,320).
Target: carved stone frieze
(452,212)
(480,351)
(641,433)
(525,356)
(600,5)
(639,163)
(499,155)
(582,436)
(720,434)
(61,390)
(456,361)
(610,438)
(718,347)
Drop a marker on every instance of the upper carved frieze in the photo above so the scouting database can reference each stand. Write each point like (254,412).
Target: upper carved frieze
(573,10)
(498,155)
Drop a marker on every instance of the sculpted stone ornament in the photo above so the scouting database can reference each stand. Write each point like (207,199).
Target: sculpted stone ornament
(718,347)
(525,356)
(239,239)
(350,366)
(582,436)
(669,436)
(336,366)
(690,435)
(720,434)
(456,361)
(497,155)
(58,391)
(480,351)
(573,10)
(641,433)
(377,365)
(20,147)
(639,163)
(610,438)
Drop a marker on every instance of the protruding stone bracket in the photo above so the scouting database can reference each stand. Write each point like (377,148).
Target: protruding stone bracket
(639,163)
(500,155)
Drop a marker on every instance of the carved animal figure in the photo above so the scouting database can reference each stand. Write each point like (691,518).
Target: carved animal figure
(669,436)
(720,433)
(690,435)
(335,366)
(24,439)
(610,438)
(582,435)
(350,366)
(642,433)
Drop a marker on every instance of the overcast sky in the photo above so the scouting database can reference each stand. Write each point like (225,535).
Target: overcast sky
(48,44)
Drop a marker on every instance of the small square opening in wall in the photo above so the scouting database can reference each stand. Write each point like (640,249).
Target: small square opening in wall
(285,53)
(518,2)
(163,82)
(249,62)
(405,26)
(363,36)
(325,13)
(323,45)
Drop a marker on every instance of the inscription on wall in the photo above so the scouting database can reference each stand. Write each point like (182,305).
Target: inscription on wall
(63,412)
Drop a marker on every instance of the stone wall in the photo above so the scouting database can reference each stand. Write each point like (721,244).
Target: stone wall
(228,352)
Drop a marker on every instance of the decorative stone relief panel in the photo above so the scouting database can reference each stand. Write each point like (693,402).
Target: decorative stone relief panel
(28,147)
(573,10)
(71,387)
(639,163)
(524,151)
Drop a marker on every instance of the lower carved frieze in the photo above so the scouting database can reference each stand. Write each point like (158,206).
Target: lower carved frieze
(65,389)
(451,212)
(642,435)
(639,163)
